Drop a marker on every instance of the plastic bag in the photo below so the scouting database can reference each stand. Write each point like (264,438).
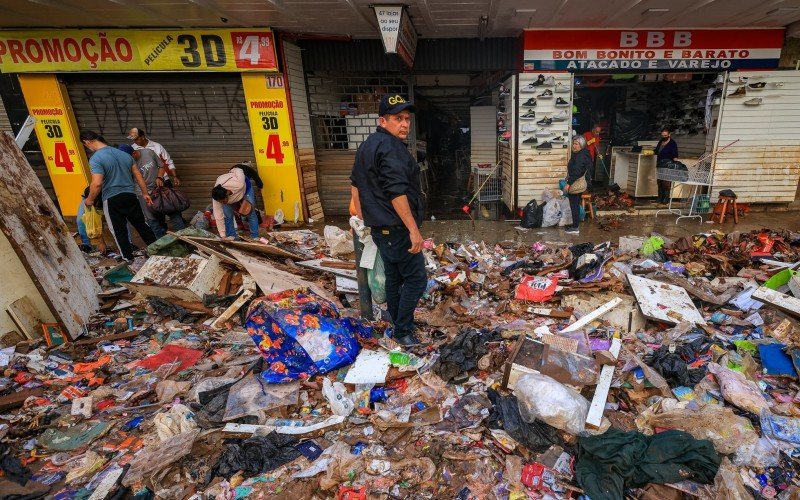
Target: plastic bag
(340,242)
(728,483)
(536,288)
(376,278)
(532,215)
(739,391)
(551,215)
(301,334)
(336,394)
(167,200)
(177,420)
(566,212)
(93,220)
(719,425)
(543,398)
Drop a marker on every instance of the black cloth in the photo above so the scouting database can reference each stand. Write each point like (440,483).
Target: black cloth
(575,207)
(674,367)
(122,209)
(384,170)
(406,277)
(667,151)
(12,468)
(610,462)
(459,357)
(579,164)
(536,436)
(255,455)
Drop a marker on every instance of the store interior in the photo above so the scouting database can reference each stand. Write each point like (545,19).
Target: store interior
(633,109)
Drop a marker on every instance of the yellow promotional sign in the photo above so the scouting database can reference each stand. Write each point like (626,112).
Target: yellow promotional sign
(57,133)
(138,50)
(271,129)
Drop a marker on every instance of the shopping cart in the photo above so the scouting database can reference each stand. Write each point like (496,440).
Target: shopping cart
(489,190)
(698,176)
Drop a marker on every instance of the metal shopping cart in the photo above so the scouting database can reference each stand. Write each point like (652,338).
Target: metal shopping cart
(697,176)
(487,182)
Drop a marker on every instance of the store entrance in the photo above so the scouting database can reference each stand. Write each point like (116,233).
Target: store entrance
(631,111)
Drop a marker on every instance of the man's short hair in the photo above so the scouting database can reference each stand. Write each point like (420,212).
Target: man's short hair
(139,133)
(219,193)
(91,135)
(666,129)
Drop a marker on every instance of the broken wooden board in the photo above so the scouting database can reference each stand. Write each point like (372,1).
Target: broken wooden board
(597,313)
(346,285)
(271,279)
(318,264)
(595,416)
(785,303)
(36,231)
(551,313)
(181,278)
(209,249)
(25,316)
(16,399)
(626,316)
(247,246)
(231,310)
(663,302)
(526,352)
(706,295)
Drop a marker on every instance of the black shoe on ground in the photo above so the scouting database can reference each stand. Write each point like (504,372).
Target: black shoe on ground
(407,340)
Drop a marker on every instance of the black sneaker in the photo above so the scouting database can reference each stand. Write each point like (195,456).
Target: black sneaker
(407,340)
(547,94)
(529,115)
(545,121)
(530,103)
(561,102)
(531,140)
(545,145)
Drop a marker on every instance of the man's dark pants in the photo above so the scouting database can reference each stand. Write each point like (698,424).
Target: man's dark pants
(406,277)
(123,209)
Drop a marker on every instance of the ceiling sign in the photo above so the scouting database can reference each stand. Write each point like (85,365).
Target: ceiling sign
(655,50)
(239,50)
(397,32)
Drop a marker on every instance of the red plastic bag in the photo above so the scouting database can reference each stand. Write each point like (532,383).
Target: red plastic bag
(536,288)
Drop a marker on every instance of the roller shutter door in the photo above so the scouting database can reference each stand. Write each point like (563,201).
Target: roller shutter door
(200,119)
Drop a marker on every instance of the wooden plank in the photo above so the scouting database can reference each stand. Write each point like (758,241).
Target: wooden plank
(595,416)
(256,247)
(15,400)
(611,304)
(44,245)
(25,316)
(785,303)
(271,279)
(211,250)
(318,265)
(231,310)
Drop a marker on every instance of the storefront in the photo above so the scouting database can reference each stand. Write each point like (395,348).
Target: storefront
(212,98)
(709,87)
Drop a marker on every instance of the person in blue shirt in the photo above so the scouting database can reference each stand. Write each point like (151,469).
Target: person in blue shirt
(666,151)
(114,172)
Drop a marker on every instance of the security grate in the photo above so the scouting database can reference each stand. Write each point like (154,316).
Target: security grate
(344,109)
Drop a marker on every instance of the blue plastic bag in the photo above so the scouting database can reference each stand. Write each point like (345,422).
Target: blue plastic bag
(301,334)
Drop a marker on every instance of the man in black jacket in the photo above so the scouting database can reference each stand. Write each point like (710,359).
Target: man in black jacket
(387,197)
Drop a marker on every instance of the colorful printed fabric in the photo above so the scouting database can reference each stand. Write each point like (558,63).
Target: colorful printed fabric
(300,334)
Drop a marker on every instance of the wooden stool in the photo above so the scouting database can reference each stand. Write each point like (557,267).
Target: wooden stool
(725,203)
(586,203)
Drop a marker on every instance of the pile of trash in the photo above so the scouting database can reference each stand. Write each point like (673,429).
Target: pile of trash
(640,368)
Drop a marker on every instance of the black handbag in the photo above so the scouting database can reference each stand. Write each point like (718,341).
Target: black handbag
(167,200)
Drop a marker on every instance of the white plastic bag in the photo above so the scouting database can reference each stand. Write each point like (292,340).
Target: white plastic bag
(336,394)
(340,242)
(544,398)
(552,213)
(566,212)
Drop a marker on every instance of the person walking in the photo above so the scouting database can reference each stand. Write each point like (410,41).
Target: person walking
(579,163)
(387,197)
(141,141)
(114,172)
(232,194)
(666,152)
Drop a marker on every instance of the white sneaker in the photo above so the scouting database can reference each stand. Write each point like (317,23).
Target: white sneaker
(549,81)
(529,88)
(754,102)
(528,128)
(561,88)
(561,116)
(543,133)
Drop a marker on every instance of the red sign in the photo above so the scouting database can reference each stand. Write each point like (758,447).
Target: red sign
(673,50)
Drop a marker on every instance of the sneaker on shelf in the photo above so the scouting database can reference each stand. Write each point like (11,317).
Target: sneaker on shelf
(502,139)
(562,103)
(502,113)
(530,141)
(504,92)
(561,116)
(776,84)
(559,140)
(545,145)
(528,128)
(561,88)
(528,115)
(530,103)
(531,87)
(739,92)
(545,121)
(542,132)
(539,80)
(550,81)
(506,134)
(756,85)
(547,94)
(741,80)
(501,129)
(754,102)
